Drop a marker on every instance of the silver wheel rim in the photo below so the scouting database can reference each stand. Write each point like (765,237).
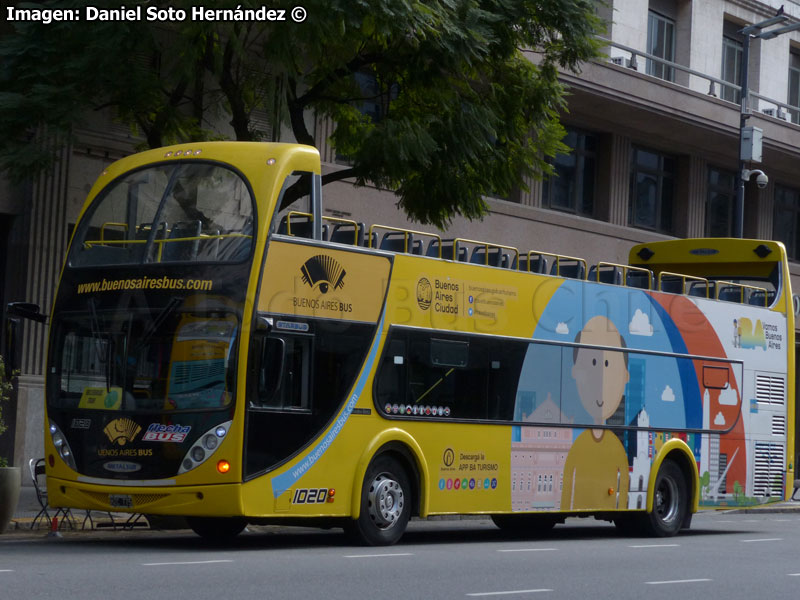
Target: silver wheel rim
(666,500)
(386,501)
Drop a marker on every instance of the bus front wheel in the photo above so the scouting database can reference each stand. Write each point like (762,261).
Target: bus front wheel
(670,502)
(385,504)
(217,529)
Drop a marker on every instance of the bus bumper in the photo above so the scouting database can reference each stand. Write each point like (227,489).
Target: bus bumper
(221,500)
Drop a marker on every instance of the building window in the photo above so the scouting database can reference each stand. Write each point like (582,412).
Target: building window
(660,43)
(732,51)
(652,190)
(571,187)
(720,203)
(794,84)
(786,221)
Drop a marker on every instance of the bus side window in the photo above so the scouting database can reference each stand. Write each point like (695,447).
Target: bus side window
(392,379)
(284,373)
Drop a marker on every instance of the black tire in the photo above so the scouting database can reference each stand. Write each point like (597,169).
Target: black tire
(217,530)
(525,524)
(385,504)
(670,502)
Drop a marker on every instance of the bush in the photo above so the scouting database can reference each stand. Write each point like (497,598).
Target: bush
(6,388)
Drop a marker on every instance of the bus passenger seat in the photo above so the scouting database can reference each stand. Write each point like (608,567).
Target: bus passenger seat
(182,249)
(573,271)
(343,233)
(612,275)
(397,241)
(639,279)
(731,293)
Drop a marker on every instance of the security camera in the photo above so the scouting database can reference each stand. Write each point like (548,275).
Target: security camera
(761,178)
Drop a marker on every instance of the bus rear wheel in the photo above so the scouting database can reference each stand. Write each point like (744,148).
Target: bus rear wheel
(385,504)
(217,529)
(670,502)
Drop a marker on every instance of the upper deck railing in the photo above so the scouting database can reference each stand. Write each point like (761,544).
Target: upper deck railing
(488,254)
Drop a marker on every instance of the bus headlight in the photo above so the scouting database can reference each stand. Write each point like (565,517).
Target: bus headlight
(62,446)
(204,447)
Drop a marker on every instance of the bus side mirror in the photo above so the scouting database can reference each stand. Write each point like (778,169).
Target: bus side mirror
(26,310)
(12,343)
(12,348)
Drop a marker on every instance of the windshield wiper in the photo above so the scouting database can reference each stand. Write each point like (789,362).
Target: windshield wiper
(98,339)
(156,323)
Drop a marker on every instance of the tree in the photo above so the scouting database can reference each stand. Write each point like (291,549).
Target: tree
(464,95)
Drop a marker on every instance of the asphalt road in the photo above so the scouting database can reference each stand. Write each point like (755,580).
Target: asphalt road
(724,555)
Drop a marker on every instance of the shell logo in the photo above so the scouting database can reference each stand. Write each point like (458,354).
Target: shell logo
(424,293)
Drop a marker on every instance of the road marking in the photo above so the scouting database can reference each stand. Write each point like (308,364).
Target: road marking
(528,550)
(781,520)
(655,546)
(475,594)
(378,555)
(6,570)
(676,581)
(762,540)
(188,562)
(793,574)
(726,521)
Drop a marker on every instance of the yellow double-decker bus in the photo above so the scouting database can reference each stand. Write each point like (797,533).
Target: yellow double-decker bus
(221,350)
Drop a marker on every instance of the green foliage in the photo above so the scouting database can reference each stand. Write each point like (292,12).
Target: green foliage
(465,93)
(6,387)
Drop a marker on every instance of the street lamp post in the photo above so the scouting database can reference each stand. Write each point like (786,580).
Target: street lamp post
(743,175)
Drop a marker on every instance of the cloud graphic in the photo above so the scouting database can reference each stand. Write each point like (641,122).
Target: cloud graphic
(668,395)
(728,397)
(640,324)
(562,328)
(719,420)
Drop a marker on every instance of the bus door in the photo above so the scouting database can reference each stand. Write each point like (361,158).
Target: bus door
(280,408)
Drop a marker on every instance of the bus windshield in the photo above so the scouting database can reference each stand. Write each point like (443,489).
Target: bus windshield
(179,212)
(167,360)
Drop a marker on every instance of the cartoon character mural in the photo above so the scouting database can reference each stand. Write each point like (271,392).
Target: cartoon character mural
(636,372)
(596,471)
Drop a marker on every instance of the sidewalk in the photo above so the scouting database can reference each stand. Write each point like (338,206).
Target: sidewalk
(28,508)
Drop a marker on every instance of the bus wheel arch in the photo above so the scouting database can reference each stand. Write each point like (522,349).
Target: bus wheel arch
(386,501)
(400,446)
(672,497)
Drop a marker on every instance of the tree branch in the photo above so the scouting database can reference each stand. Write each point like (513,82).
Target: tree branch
(339,175)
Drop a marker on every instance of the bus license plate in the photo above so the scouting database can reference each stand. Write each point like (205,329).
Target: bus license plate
(120,500)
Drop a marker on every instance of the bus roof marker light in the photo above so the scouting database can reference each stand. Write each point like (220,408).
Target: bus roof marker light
(645,253)
(271,161)
(198,151)
(762,251)
(168,154)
